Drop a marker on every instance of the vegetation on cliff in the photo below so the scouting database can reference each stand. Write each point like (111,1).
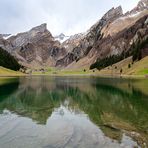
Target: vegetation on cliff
(8,61)
(135,51)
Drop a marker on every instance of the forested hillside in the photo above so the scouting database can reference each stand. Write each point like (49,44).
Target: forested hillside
(135,51)
(8,61)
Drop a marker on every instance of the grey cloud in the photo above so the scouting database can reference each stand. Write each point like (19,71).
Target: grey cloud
(67,16)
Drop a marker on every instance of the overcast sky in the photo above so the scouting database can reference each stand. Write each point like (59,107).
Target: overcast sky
(62,16)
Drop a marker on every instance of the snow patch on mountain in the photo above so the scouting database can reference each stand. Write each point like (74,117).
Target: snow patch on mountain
(5,36)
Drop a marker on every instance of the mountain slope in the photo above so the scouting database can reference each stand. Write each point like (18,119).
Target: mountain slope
(9,72)
(35,48)
(137,68)
(86,43)
(111,35)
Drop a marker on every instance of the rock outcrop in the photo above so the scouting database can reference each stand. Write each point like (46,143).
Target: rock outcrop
(86,42)
(35,48)
(111,35)
(142,5)
(73,41)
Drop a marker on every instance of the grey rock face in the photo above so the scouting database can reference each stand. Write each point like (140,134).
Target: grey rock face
(112,14)
(143,4)
(94,45)
(73,41)
(36,47)
(33,35)
(86,43)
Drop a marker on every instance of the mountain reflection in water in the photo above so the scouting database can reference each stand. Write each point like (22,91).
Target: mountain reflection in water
(73,112)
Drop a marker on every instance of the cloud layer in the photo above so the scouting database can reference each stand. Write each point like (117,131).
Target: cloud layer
(67,16)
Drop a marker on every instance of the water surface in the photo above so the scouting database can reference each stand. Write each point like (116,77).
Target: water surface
(73,112)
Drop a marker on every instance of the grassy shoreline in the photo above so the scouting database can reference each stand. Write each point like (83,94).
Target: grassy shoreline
(73,75)
(138,69)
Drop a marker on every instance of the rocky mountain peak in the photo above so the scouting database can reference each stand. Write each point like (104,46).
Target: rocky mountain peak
(143,4)
(33,35)
(113,14)
(80,46)
(40,28)
(34,48)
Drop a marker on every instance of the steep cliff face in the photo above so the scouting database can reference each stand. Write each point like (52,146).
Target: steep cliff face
(122,41)
(73,41)
(82,45)
(111,35)
(35,48)
(33,35)
(119,35)
(5,44)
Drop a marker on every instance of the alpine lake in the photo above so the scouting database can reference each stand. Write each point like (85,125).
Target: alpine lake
(73,112)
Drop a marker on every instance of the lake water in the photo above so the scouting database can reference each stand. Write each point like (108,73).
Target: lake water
(73,112)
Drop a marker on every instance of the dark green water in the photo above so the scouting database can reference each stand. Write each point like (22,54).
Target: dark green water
(73,112)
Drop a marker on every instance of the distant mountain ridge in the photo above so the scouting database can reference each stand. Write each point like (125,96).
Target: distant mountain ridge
(4,35)
(61,38)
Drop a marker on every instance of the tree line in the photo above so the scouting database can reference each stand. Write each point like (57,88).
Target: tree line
(8,61)
(134,51)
